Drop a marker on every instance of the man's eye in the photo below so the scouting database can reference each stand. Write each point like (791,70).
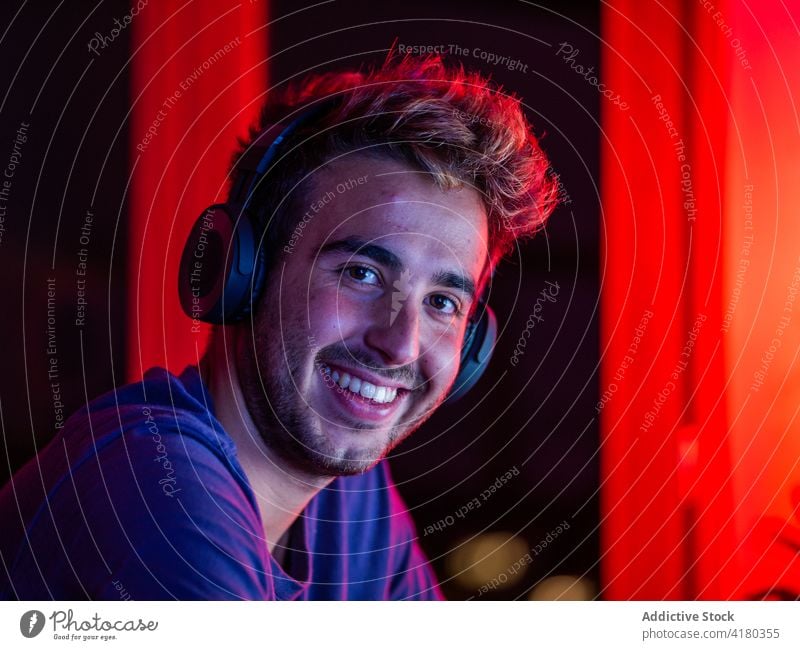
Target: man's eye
(444,304)
(362,275)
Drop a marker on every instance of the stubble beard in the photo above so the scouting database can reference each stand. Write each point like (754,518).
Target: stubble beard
(288,424)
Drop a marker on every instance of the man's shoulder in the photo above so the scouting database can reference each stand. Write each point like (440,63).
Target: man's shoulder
(159,393)
(160,404)
(158,435)
(142,487)
(162,425)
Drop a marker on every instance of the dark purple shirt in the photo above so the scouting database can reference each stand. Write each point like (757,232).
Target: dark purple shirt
(141,496)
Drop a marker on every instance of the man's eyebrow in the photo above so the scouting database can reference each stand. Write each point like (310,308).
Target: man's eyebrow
(455,281)
(385,257)
(356,246)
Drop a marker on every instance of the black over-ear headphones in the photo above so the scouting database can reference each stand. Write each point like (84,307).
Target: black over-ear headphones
(223,267)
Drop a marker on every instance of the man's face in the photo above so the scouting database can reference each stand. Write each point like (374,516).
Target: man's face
(358,337)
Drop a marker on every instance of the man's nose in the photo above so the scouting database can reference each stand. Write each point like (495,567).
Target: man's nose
(394,333)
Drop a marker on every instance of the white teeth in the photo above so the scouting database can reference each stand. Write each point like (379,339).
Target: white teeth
(368,390)
(379,394)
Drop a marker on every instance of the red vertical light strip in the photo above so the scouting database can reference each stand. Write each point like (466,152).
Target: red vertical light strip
(707,465)
(198,71)
(643,266)
(763,273)
(664,460)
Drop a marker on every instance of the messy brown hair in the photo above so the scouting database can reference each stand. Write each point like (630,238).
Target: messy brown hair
(456,125)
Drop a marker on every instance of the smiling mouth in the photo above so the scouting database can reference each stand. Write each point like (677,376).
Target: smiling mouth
(358,387)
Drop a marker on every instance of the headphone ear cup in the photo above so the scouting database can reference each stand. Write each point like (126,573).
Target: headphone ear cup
(217,267)
(476,352)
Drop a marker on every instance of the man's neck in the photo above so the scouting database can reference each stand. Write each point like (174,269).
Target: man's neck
(281,490)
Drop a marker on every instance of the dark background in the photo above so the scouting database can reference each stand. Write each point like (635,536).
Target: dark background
(536,417)
(75,159)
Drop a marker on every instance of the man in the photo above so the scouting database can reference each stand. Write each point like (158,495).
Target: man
(259,475)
